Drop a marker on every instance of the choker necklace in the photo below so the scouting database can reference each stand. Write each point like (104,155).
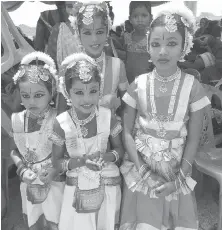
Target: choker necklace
(41,115)
(80,123)
(164,80)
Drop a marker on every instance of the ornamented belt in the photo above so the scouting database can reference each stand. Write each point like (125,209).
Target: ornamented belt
(108,181)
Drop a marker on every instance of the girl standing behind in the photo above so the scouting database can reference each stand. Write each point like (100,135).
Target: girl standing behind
(136,42)
(92,192)
(92,27)
(41,190)
(169,107)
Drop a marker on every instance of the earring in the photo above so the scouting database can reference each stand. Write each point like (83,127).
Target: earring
(182,59)
(150,60)
(21,103)
(106,44)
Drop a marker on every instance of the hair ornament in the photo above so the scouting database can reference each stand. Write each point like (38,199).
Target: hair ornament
(84,75)
(171,23)
(36,73)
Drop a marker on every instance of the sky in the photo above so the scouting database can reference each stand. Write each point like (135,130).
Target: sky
(29,12)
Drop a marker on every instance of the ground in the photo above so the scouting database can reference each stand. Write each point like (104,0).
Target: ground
(207,207)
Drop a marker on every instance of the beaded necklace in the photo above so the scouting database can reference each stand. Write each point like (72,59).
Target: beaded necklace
(164,80)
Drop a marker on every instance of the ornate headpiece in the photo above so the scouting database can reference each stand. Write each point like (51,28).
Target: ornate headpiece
(88,10)
(36,72)
(84,71)
(169,10)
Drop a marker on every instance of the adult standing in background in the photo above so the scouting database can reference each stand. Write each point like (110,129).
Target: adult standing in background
(46,22)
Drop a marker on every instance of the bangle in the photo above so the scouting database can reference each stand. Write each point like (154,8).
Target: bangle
(67,164)
(22,172)
(116,154)
(182,174)
(20,168)
(187,162)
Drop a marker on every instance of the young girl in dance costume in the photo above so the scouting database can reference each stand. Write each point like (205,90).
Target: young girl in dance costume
(169,105)
(41,189)
(92,191)
(92,25)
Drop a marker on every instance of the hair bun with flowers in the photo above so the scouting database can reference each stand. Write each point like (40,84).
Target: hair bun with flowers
(169,10)
(36,73)
(84,72)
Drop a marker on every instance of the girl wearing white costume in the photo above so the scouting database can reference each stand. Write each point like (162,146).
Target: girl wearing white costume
(167,106)
(41,188)
(92,191)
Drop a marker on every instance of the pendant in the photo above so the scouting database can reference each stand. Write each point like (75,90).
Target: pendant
(84,131)
(31,156)
(163,88)
(161,132)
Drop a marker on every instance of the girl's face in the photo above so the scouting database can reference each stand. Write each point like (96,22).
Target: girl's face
(93,37)
(165,48)
(34,96)
(84,96)
(140,18)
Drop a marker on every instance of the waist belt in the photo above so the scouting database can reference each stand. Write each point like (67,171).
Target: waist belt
(108,181)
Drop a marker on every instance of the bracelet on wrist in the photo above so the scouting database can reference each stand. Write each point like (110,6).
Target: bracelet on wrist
(116,155)
(187,162)
(22,172)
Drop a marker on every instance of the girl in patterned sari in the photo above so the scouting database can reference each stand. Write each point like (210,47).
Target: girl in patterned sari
(166,106)
(41,189)
(92,192)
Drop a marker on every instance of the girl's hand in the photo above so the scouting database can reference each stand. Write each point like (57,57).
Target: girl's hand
(165,189)
(95,165)
(94,156)
(29,176)
(47,176)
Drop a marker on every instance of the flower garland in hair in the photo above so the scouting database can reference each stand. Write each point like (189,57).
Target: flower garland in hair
(36,74)
(84,75)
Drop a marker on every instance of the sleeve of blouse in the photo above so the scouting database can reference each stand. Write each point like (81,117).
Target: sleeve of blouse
(198,97)
(115,126)
(123,82)
(57,136)
(130,97)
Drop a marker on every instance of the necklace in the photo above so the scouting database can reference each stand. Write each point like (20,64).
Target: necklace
(31,155)
(161,119)
(83,131)
(102,70)
(164,80)
(40,117)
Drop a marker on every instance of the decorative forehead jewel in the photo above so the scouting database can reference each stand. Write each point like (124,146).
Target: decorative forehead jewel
(84,71)
(170,23)
(88,10)
(35,72)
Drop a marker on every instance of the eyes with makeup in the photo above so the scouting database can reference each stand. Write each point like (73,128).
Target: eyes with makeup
(37,95)
(158,44)
(98,32)
(80,92)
